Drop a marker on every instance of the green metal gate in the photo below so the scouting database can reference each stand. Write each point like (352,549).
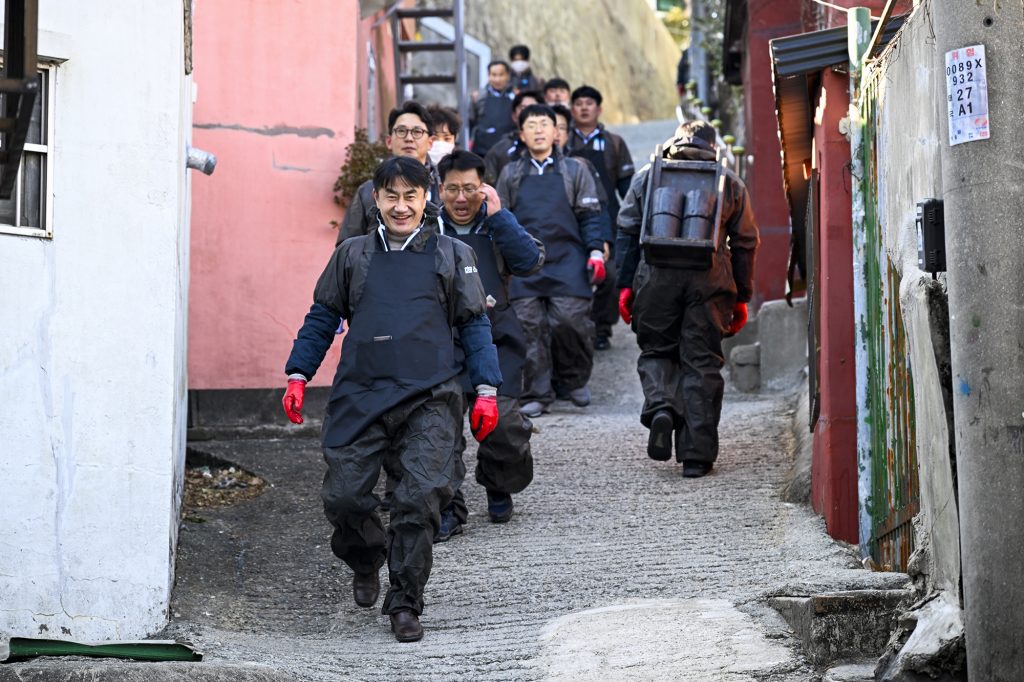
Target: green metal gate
(894,496)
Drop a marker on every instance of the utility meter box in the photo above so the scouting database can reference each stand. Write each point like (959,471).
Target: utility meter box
(682,214)
(931,236)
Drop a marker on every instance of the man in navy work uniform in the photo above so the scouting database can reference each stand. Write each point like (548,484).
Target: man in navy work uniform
(491,118)
(472,213)
(680,315)
(609,154)
(405,290)
(555,199)
(411,134)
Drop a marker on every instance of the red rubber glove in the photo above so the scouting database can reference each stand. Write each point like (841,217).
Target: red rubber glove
(739,318)
(626,305)
(595,266)
(293,400)
(484,417)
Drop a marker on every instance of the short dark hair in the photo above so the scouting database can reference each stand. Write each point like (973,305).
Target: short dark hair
(563,111)
(411,171)
(461,160)
(537,110)
(522,50)
(698,130)
(500,62)
(518,99)
(556,84)
(587,91)
(416,109)
(447,116)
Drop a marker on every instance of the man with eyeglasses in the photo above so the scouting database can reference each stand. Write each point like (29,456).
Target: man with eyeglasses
(511,145)
(396,397)
(411,134)
(555,199)
(588,139)
(472,213)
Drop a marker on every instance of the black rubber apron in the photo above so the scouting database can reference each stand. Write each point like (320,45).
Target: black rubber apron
(505,328)
(495,123)
(596,157)
(399,344)
(543,209)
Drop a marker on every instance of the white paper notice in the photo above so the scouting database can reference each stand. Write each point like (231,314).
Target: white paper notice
(967,94)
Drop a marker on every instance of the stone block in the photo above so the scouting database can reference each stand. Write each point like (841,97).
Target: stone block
(843,626)
(745,369)
(782,332)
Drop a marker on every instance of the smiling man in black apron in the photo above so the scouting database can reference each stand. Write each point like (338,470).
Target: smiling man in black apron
(491,118)
(611,157)
(405,290)
(410,134)
(472,213)
(555,199)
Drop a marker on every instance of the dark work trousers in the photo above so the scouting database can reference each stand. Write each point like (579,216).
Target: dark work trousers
(559,345)
(504,463)
(420,436)
(679,317)
(604,307)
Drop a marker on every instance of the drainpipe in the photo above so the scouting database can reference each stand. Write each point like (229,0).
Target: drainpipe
(858,37)
(983,190)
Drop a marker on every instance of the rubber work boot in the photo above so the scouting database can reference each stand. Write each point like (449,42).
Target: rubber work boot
(406,626)
(533,409)
(499,507)
(602,342)
(366,588)
(695,468)
(580,397)
(449,525)
(659,442)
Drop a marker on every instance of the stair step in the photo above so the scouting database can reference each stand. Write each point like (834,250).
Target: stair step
(406,79)
(422,13)
(425,46)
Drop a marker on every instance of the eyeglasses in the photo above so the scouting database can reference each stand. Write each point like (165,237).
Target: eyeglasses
(469,191)
(403,132)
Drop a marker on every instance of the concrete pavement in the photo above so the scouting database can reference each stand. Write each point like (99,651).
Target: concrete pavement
(614,566)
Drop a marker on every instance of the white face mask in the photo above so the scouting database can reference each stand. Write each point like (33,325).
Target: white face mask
(520,65)
(439,150)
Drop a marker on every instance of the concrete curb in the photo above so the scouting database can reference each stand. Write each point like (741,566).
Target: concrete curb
(77,669)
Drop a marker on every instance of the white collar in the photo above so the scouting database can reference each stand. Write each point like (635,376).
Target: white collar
(383,232)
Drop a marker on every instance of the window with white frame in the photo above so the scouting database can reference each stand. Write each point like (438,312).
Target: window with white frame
(28,212)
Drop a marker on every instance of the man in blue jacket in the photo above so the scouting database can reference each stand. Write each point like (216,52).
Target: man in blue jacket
(472,213)
(405,290)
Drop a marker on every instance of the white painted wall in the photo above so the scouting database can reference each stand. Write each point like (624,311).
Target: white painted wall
(92,336)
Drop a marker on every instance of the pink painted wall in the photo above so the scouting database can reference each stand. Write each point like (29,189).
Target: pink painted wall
(278,101)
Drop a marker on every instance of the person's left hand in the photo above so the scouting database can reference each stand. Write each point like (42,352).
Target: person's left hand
(595,266)
(491,198)
(484,417)
(739,318)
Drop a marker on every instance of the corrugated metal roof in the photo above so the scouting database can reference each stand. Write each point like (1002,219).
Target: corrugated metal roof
(797,62)
(810,52)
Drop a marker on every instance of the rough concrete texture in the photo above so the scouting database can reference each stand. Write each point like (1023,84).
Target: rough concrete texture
(850,672)
(614,566)
(798,483)
(86,670)
(840,626)
(928,645)
(782,332)
(627,53)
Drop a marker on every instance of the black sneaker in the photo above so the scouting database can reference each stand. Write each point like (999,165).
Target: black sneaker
(449,525)
(659,443)
(499,507)
(695,468)
(602,342)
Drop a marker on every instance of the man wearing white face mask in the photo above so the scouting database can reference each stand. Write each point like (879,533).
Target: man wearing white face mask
(523,78)
(447,125)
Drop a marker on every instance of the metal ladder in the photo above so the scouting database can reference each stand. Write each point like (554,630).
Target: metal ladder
(404,48)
